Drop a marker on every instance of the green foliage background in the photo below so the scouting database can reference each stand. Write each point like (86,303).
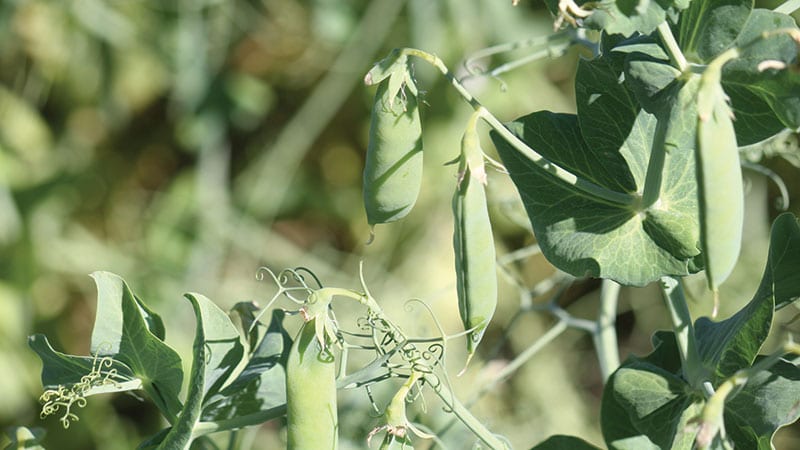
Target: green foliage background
(184,144)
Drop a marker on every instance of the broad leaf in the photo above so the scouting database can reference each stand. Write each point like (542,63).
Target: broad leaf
(583,235)
(223,348)
(62,369)
(764,101)
(648,74)
(708,27)
(767,402)
(627,17)
(259,392)
(733,344)
(782,275)
(564,443)
(121,331)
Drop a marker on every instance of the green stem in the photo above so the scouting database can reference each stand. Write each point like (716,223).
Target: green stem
(691,363)
(596,191)
(655,167)
(672,47)
(605,335)
(554,45)
(788,7)
(464,415)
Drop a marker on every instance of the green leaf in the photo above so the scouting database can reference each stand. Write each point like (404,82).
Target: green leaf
(223,347)
(121,331)
(708,27)
(180,435)
(782,275)
(646,405)
(62,369)
(652,402)
(564,443)
(732,344)
(259,391)
(767,402)
(606,114)
(764,101)
(585,236)
(649,74)
(627,17)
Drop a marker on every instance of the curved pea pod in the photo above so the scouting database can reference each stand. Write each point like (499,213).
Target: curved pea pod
(393,171)
(312,419)
(719,177)
(476,277)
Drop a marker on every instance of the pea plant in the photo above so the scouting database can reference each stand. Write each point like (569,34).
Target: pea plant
(643,185)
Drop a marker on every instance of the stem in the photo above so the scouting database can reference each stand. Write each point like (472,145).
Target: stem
(691,363)
(596,191)
(673,49)
(554,45)
(463,414)
(788,7)
(605,335)
(655,167)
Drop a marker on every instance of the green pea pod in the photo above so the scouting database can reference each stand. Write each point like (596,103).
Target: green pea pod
(473,243)
(312,420)
(719,176)
(393,172)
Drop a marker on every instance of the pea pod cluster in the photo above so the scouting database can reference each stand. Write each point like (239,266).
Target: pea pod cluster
(720,190)
(393,171)
(312,419)
(476,277)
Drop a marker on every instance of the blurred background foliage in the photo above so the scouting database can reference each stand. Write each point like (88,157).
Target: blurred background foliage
(184,144)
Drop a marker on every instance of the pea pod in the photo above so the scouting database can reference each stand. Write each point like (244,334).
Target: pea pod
(393,171)
(476,278)
(720,190)
(312,419)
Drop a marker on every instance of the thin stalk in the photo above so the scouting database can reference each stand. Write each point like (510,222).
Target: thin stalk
(464,415)
(605,335)
(675,301)
(673,49)
(521,359)
(788,7)
(655,166)
(554,45)
(596,191)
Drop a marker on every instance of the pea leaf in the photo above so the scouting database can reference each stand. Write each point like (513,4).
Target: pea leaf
(647,406)
(627,17)
(646,402)
(581,234)
(733,344)
(180,435)
(560,442)
(764,101)
(766,403)
(781,276)
(123,330)
(259,392)
(62,369)
(708,27)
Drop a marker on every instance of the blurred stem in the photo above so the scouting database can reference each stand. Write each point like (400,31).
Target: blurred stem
(595,191)
(672,47)
(684,331)
(788,7)
(605,335)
